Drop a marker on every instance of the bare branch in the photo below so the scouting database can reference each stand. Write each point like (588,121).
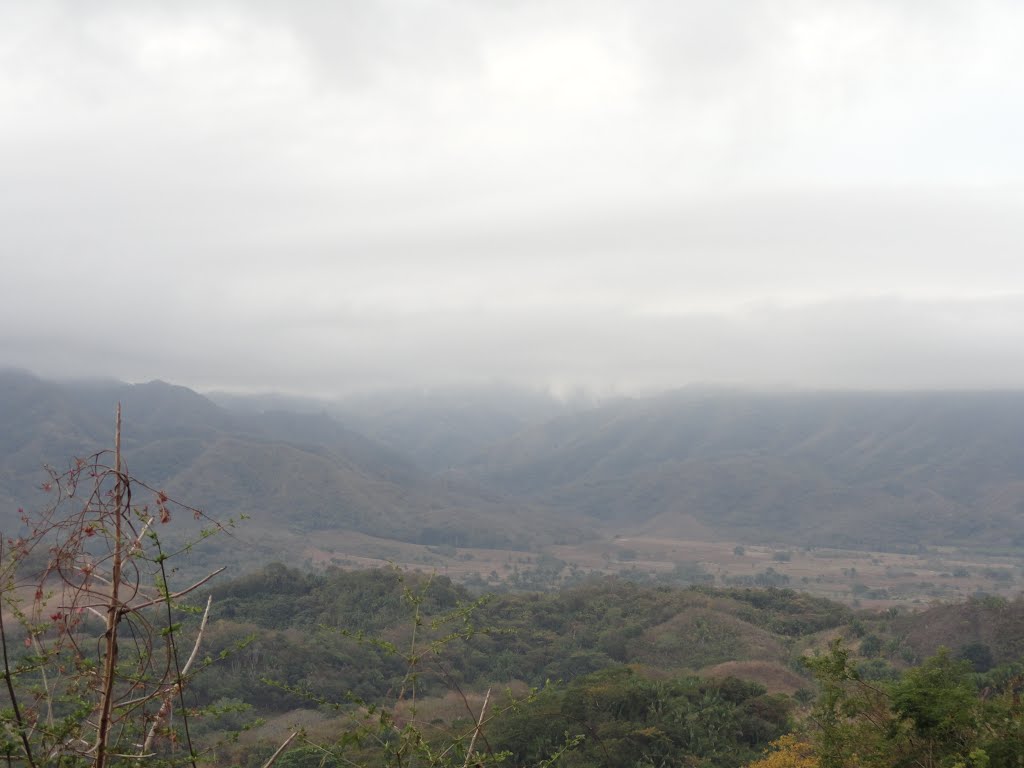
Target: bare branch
(476,731)
(97,555)
(277,754)
(46,685)
(13,695)
(165,709)
(176,595)
(199,636)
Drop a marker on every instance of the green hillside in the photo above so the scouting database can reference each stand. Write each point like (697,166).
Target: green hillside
(870,471)
(288,472)
(617,669)
(833,469)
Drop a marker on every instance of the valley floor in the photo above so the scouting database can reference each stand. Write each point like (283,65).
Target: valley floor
(875,580)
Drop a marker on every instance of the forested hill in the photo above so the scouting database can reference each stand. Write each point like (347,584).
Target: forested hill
(848,469)
(629,667)
(508,469)
(298,472)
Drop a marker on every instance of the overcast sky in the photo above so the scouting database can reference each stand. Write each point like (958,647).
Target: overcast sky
(327,196)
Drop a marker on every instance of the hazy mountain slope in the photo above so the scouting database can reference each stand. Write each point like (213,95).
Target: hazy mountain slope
(852,469)
(870,469)
(284,486)
(440,430)
(40,424)
(298,472)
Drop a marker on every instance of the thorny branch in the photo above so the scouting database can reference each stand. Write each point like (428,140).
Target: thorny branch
(90,554)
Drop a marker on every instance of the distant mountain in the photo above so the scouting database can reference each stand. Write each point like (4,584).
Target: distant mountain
(503,468)
(40,424)
(441,430)
(300,472)
(848,469)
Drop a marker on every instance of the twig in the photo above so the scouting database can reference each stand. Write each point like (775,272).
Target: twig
(10,690)
(113,607)
(137,546)
(46,684)
(165,708)
(476,731)
(99,579)
(199,636)
(176,595)
(273,757)
(449,678)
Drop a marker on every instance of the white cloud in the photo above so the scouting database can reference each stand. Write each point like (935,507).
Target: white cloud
(346,176)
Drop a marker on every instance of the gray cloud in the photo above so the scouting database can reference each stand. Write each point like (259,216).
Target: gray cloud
(882,343)
(327,196)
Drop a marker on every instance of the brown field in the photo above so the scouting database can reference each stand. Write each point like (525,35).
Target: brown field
(869,579)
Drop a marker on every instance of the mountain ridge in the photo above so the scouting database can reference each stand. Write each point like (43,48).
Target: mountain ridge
(286,471)
(879,470)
